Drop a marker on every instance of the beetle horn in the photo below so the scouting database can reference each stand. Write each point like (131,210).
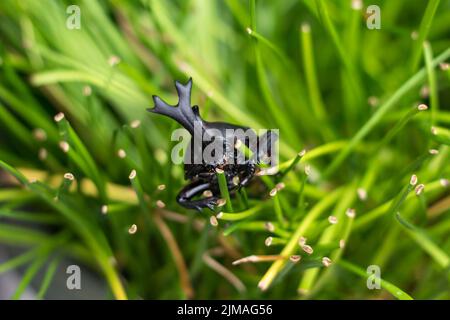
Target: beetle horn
(183,113)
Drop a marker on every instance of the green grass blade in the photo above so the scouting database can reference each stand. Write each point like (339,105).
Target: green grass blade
(240,215)
(29,275)
(18,260)
(15,127)
(424,29)
(394,290)
(275,110)
(398,127)
(312,83)
(271,46)
(380,113)
(34,217)
(223,186)
(351,72)
(390,206)
(424,241)
(432,82)
(80,154)
(48,277)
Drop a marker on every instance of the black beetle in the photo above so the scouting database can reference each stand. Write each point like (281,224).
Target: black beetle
(203,173)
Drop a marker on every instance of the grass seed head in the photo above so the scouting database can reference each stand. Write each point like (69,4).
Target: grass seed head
(249,30)
(262,285)
(413,180)
(87,91)
(132,174)
(267,172)
(342,243)
(219,171)
(433,151)
(425,92)
(307,169)
(326,261)
(132,229)
(58,117)
(268,241)
(207,193)
(251,258)
(419,189)
(104,209)
(161,187)
(113,60)
(280,186)
(213,221)
(434,131)
(332,219)
(444,182)
(362,194)
(302,291)
(422,107)
(221,202)
(42,154)
(295,258)
(135,124)
(444,66)
(273,192)
(306,28)
(121,153)
(160,156)
(236,180)
(373,101)
(308,249)
(65,147)
(160,204)
(302,241)
(269,226)
(357,4)
(69,176)
(302,153)
(351,213)
(112,261)
(39,134)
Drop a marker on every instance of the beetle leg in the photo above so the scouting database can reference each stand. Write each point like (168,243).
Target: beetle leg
(193,189)
(249,172)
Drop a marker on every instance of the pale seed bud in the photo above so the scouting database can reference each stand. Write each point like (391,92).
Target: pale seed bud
(132,229)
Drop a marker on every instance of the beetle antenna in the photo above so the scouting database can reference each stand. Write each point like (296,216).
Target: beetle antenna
(183,113)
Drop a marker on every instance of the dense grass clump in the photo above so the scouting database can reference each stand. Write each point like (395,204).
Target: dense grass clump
(363,116)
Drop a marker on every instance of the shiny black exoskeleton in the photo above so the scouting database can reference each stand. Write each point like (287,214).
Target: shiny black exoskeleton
(203,191)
